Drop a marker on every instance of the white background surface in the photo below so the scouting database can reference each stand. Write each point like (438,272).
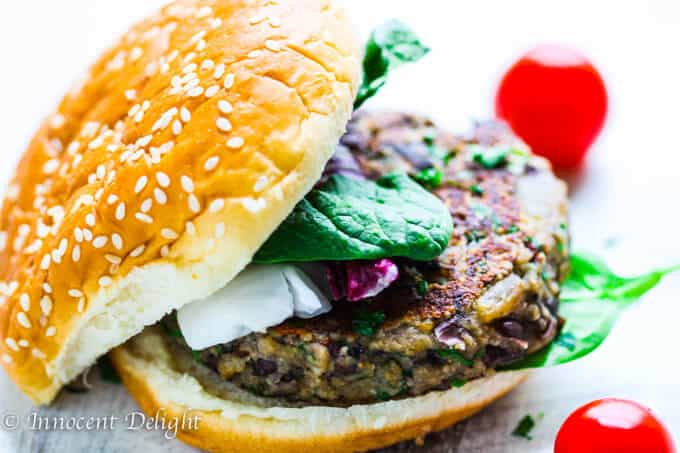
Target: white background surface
(628,192)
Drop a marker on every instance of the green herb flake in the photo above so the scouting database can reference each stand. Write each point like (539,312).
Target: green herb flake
(490,157)
(476,189)
(196,355)
(106,370)
(390,46)
(458,383)
(524,427)
(422,288)
(430,178)
(452,354)
(365,322)
(383,395)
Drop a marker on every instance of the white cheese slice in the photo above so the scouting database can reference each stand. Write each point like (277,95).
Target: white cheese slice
(261,296)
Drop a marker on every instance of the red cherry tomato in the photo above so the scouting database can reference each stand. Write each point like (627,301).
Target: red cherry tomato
(556,101)
(613,426)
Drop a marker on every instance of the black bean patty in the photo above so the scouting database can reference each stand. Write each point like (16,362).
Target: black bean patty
(489,301)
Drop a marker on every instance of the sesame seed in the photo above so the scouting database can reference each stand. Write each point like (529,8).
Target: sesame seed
(275,22)
(219,230)
(253,205)
(194,205)
(90,220)
(113,259)
(51,331)
(137,251)
(37,353)
(81,305)
(45,262)
(190,68)
(75,253)
(211,163)
(46,305)
(212,91)
(146,205)
(139,116)
(63,245)
(24,343)
(225,107)
(229,81)
(254,54)
(191,228)
(141,183)
(105,281)
(272,45)
(207,65)
(100,242)
(144,217)
(261,183)
(47,288)
(195,92)
(134,110)
(87,235)
(187,184)
(185,114)
(160,196)
(12,344)
(165,251)
(219,71)
(235,142)
(23,320)
(117,241)
(216,205)
(25,302)
(223,124)
(169,233)
(50,166)
(7,359)
(176,127)
(256,19)
(78,234)
(112,199)
(120,211)
(163,179)
(130,95)
(135,53)
(142,142)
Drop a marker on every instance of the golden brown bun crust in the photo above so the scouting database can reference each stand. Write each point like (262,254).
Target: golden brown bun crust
(146,373)
(183,148)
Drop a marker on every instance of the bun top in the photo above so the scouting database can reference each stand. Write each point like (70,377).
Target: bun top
(163,171)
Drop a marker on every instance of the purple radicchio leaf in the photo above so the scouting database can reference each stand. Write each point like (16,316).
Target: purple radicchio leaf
(342,163)
(357,280)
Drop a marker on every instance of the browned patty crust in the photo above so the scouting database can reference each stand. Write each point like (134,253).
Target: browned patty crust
(489,300)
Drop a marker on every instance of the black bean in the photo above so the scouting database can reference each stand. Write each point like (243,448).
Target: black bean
(264,367)
(512,328)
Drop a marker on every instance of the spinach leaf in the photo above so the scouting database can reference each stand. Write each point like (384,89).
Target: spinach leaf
(350,219)
(524,427)
(592,299)
(390,46)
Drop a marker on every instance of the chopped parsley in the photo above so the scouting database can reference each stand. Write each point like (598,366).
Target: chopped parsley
(458,383)
(454,355)
(365,322)
(196,355)
(383,395)
(525,426)
(430,178)
(476,189)
(490,156)
(422,287)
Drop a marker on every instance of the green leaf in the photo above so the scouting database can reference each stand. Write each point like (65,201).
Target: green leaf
(391,45)
(365,322)
(499,156)
(349,219)
(593,297)
(454,355)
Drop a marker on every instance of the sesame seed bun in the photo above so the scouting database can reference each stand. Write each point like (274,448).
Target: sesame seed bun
(161,174)
(145,366)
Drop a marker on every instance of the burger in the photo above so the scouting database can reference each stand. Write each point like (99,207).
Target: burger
(206,207)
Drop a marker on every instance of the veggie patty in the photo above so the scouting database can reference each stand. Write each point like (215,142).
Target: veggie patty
(488,301)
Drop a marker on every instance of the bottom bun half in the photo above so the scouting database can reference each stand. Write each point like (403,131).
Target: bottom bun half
(145,365)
